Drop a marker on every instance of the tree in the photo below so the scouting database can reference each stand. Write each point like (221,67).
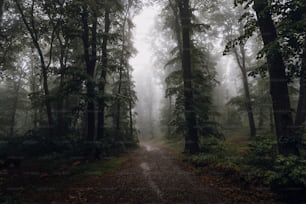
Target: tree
(36,35)
(241,60)
(239,51)
(287,144)
(104,67)
(191,135)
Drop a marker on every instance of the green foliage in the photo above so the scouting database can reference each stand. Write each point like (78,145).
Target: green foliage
(97,168)
(212,152)
(214,156)
(203,77)
(288,172)
(262,153)
(212,145)
(203,159)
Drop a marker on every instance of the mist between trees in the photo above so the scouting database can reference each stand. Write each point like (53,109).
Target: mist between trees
(219,70)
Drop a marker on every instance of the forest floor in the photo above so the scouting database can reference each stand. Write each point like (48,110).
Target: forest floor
(154,173)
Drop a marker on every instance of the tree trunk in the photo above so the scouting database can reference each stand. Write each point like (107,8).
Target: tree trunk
(61,123)
(301,109)
(131,123)
(119,139)
(15,103)
(90,59)
(34,88)
(118,109)
(287,143)
(241,60)
(169,119)
(191,135)
(271,120)
(101,102)
(44,67)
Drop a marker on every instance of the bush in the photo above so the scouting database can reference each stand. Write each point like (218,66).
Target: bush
(288,172)
(212,152)
(262,153)
(214,146)
(203,159)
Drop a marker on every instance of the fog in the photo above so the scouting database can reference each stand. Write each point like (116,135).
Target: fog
(148,71)
(148,87)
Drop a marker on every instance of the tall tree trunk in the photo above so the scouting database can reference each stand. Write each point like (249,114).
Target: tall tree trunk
(241,60)
(271,120)
(15,103)
(131,119)
(90,59)
(119,139)
(170,114)
(287,143)
(191,135)
(101,102)
(44,68)
(131,123)
(61,125)
(301,109)
(34,88)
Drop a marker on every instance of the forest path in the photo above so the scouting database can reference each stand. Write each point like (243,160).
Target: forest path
(151,174)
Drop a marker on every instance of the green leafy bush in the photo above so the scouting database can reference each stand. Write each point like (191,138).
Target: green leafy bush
(288,172)
(262,153)
(212,152)
(212,145)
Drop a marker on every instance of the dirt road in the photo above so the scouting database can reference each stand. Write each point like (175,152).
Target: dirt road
(151,175)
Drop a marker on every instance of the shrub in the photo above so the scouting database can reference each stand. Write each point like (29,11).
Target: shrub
(262,153)
(214,146)
(288,172)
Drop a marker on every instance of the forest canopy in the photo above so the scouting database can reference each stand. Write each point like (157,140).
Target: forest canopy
(230,73)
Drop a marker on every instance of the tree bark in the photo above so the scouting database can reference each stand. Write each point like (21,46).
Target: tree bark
(101,102)
(301,109)
(287,143)
(131,123)
(241,60)
(191,135)
(169,119)
(90,59)
(61,123)
(271,120)
(15,103)
(119,139)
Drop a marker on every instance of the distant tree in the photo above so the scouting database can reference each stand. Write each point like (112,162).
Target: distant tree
(36,29)
(202,79)
(232,29)
(104,67)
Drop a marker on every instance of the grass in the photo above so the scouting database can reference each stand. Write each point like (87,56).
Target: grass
(58,175)
(96,168)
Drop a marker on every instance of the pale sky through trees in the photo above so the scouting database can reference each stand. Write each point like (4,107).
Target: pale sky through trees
(147,86)
(143,61)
